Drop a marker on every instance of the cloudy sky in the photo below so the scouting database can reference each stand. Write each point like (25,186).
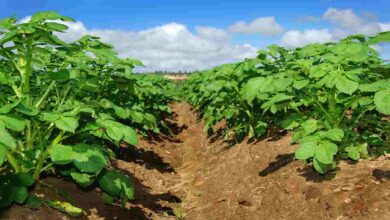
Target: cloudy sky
(178,35)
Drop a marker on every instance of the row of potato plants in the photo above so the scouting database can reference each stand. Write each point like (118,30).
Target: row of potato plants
(63,106)
(335,97)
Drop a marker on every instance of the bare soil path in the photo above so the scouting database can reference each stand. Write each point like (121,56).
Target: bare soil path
(206,179)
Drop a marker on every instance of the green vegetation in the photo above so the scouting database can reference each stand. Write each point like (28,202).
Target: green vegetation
(64,106)
(334,96)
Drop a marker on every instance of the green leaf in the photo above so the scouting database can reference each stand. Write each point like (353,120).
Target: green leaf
(6,138)
(309,126)
(3,153)
(20,194)
(318,71)
(7,23)
(351,51)
(252,88)
(325,152)
(382,101)
(50,116)
(375,86)
(49,15)
(335,134)
(121,112)
(13,188)
(114,183)
(82,179)
(61,154)
(323,168)
(107,199)
(13,122)
(61,75)
(381,37)
(69,124)
(5,109)
(118,131)
(299,84)
(86,158)
(130,135)
(8,37)
(26,109)
(292,121)
(66,208)
(34,202)
(282,83)
(56,26)
(22,179)
(347,86)
(364,101)
(115,132)
(306,150)
(89,158)
(355,152)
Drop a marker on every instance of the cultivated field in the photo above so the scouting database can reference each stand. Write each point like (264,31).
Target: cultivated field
(289,134)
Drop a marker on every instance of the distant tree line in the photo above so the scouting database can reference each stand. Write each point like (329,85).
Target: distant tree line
(165,72)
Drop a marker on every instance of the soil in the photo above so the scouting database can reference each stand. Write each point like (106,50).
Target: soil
(205,179)
(176,77)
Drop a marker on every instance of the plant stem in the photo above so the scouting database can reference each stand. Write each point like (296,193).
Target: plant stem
(45,154)
(27,72)
(69,87)
(17,91)
(323,109)
(103,86)
(39,103)
(14,163)
(28,135)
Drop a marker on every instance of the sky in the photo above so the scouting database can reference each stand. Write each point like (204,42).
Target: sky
(186,35)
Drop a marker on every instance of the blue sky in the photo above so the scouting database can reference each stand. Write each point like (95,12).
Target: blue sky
(327,20)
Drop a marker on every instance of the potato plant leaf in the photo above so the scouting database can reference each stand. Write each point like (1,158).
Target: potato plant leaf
(114,183)
(13,188)
(66,208)
(68,124)
(382,101)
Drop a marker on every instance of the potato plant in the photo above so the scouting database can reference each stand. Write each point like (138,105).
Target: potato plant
(334,96)
(61,104)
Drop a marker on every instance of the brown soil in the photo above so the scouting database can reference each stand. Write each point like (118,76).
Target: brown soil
(209,180)
(176,77)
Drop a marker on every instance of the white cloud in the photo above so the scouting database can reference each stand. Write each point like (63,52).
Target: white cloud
(264,25)
(296,38)
(385,26)
(214,34)
(24,20)
(170,47)
(347,22)
(342,24)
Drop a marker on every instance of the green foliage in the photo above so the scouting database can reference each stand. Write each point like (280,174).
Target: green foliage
(62,103)
(333,96)
(66,208)
(382,101)
(13,188)
(115,184)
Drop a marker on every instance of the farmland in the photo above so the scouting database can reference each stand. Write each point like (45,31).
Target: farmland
(82,136)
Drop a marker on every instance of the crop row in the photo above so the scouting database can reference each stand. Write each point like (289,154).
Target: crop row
(335,97)
(66,107)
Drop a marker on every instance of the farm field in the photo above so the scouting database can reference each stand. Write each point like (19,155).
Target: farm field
(289,133)
(259,180)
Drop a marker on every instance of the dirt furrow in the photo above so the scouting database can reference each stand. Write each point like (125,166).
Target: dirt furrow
(187,175)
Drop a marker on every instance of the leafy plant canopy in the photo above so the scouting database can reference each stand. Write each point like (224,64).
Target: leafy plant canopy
(64,105)
(334,97)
